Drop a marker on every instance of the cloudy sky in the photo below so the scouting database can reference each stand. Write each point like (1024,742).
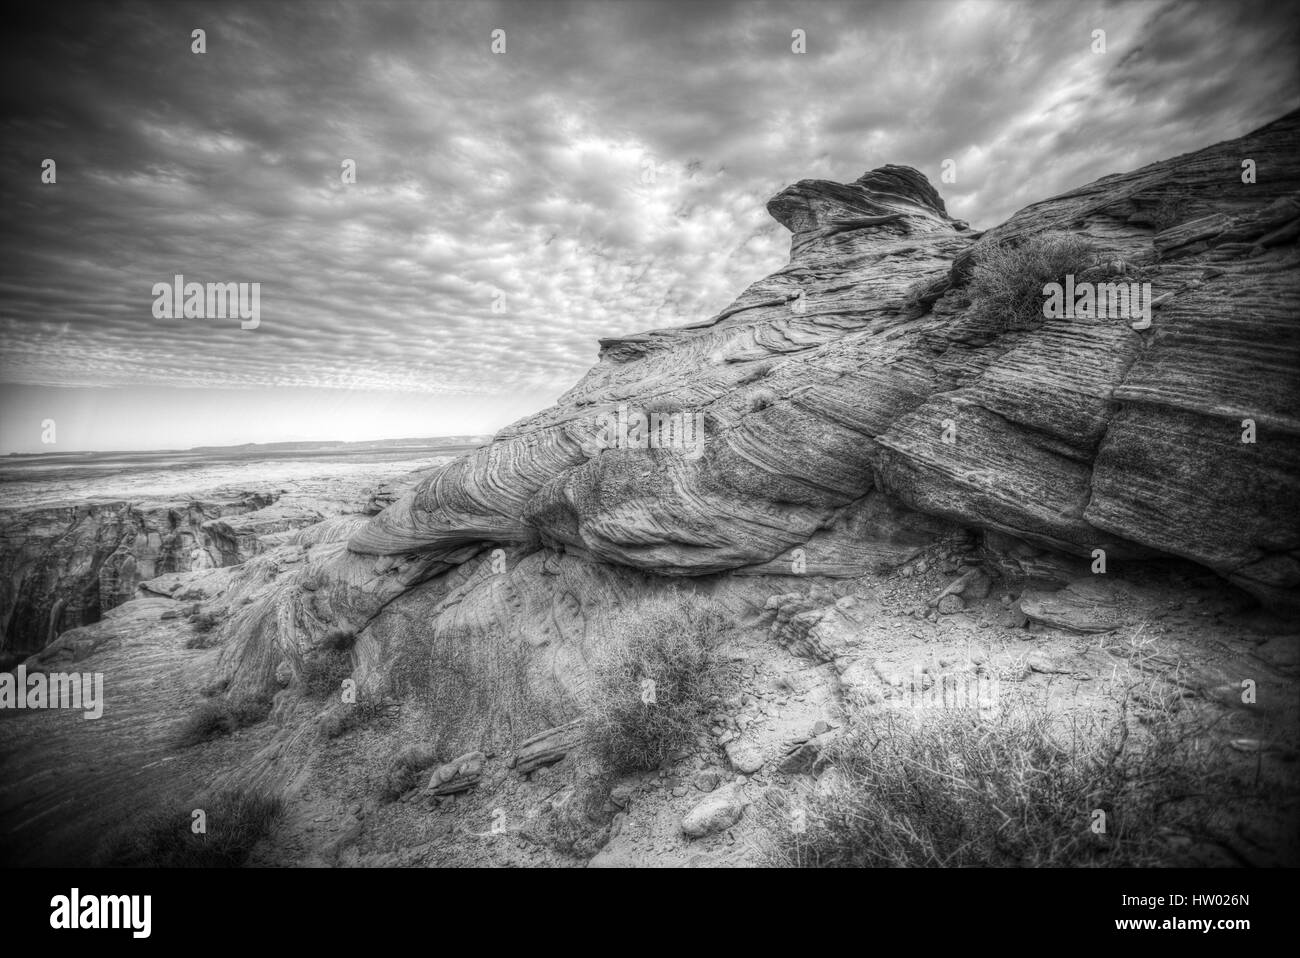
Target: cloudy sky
(605,174)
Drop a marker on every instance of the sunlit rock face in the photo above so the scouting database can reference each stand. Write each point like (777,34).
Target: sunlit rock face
(853,401)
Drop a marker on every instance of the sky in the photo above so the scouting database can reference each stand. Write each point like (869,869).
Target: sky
(604,173)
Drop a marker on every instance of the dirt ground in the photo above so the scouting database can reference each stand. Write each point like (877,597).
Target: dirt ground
(1164,639)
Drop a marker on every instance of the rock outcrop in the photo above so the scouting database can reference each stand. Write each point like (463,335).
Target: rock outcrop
(854,402)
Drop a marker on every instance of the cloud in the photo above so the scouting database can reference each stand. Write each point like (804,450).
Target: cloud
(606,175)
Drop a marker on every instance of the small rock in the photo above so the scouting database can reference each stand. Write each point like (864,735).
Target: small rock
(978,586)
(719,810)
(744,757)
(621,795)
(458,775)
(616,825)
(950,604)
(1012,618)
(708,780)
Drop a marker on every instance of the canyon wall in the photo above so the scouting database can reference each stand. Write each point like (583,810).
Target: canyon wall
(64,566)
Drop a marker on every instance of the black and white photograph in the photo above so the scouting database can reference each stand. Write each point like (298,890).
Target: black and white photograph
(640,434)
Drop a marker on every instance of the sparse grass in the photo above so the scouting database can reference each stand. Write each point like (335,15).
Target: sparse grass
(761,399)
(212,719)
(1006,285)
(761,371)
(251,709)
(236,821)
(398,780)
(922,295)
(407,769)
(472,691)
(323,671)
(337,640)
(204,621)
(662,405)
(346,717)
(947,788)
(206,633)
(670,642)
(577,824)
(217,717)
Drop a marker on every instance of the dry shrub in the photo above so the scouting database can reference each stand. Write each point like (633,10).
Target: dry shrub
(948,788)
(1006,285)
(236,821)
(669,641)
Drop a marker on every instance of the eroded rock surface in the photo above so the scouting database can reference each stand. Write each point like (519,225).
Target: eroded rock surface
(827,389)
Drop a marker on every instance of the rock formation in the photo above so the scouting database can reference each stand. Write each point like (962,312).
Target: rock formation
(828,388)
(65,566)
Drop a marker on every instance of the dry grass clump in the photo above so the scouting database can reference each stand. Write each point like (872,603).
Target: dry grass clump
(235,822)
(947,788)
(650,682)
(1006,285)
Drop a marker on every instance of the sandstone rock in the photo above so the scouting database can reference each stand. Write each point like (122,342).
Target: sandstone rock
(1073,435)
(458,775)
(978,587)
(1083,606)
(744,757)
(956,587)
(720,809)
(802,757)
(707,780)
(1011,618)
(548,747)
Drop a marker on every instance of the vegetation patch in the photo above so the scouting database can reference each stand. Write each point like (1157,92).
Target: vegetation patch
(1006,285)
(650,683)
(234,823)
(217,717)
(948,788)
